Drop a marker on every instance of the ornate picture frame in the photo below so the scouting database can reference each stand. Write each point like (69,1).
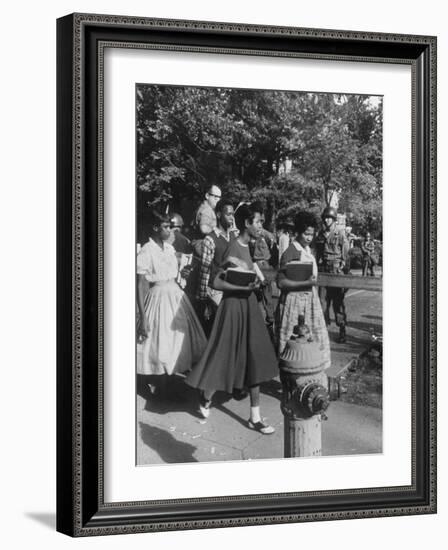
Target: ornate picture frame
(81,506)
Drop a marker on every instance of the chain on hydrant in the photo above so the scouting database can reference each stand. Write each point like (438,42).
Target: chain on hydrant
(307,392)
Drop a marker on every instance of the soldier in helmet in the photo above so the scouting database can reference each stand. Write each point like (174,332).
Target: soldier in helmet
(332,248)
(179,241)
(184,255)
(368,256)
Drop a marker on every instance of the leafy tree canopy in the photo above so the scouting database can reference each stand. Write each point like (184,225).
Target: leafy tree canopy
(291,150)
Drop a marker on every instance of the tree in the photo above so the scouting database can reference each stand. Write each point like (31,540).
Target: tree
(242,140)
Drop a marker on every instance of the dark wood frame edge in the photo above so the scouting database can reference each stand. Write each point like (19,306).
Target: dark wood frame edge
(81,510)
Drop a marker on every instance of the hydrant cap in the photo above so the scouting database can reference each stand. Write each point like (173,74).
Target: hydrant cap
(302,358)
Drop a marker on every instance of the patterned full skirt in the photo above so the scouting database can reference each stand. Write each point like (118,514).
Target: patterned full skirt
(176,340)
(293,304)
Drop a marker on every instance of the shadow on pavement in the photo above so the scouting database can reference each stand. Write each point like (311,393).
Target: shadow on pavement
(221,398)
(176,396)
(228,412)
(367,327)
(353,345)
(165,445)
(273,388)
(373,317)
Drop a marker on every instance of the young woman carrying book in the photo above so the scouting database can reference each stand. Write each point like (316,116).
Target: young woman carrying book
(239,353)
(300,297)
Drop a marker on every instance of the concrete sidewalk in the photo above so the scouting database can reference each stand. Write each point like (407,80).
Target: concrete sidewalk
(170,429)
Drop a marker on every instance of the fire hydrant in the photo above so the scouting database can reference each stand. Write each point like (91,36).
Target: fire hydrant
(307,392)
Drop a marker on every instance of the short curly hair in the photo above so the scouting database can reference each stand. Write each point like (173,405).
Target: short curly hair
(221,204)
(155,219)
(303,220)
(246,212)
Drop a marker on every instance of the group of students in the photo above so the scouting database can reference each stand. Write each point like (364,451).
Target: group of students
(238,354)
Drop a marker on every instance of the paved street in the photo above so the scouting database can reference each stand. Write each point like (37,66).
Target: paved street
(170,430)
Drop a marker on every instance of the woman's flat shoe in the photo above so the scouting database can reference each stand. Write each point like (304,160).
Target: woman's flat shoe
(261,427)
(204,408)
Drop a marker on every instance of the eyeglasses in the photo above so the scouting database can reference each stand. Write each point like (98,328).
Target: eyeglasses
(215,196)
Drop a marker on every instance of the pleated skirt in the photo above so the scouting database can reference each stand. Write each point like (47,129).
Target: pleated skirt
(239,353)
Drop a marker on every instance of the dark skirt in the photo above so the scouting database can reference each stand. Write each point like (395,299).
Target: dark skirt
(239,352)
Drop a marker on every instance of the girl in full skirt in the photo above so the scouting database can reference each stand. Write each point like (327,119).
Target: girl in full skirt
(300,298)
(239,353)
(173,337)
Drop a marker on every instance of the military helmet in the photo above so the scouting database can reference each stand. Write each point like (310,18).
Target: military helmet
(329,212)
(176,220)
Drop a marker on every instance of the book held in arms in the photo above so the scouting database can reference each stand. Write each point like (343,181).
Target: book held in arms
(239,276)
(298,270)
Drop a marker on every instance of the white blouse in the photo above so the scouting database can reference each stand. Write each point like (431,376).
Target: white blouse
(156,263)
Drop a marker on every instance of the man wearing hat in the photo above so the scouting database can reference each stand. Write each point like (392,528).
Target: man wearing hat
(332,248)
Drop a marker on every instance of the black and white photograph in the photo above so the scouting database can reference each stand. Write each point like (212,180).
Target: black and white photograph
(259,230)
(221,312)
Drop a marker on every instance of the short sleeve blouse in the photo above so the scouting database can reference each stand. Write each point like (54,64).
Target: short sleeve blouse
(289,255)
(157,264)
(239,254)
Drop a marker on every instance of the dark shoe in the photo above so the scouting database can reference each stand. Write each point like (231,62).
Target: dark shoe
(239,395)
(342,337)
(261,427)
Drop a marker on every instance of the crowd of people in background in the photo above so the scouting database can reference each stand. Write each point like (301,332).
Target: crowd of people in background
(225,336)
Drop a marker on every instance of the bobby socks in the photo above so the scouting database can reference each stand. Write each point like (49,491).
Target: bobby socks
(255,414)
